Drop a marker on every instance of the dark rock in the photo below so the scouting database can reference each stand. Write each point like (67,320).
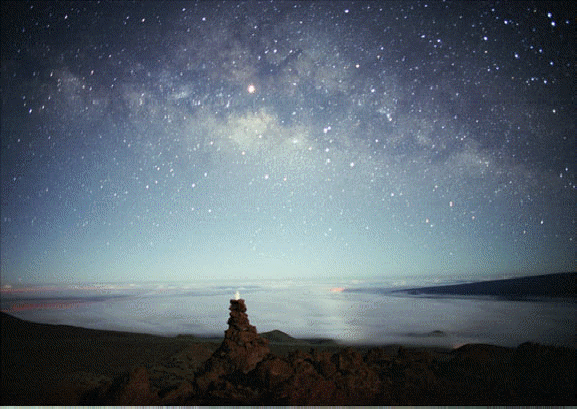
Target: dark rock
(242,345)
(360,383)
(378,357)
(349,360)
(178,396)
(136,391)
(483,360)
(76,388)
(324,364)
(306,388)
(274,371)
(544,373)
(242,371)
(241,350)
(211,371)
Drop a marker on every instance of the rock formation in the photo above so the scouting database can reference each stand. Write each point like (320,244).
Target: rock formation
(241,350)
(242,345)
(242,371)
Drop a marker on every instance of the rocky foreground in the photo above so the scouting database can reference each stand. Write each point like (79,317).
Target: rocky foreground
(243,370)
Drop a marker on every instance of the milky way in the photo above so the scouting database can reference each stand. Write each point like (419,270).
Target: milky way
(160,141)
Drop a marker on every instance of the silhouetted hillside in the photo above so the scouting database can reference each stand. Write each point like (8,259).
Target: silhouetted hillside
(549,285)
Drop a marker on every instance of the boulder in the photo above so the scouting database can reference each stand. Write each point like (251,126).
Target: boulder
(273,371)
(178,396)
(135,391)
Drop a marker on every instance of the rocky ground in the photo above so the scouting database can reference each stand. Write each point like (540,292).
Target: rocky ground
(44,364)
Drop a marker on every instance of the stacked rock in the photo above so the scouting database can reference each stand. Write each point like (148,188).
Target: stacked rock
(242,345)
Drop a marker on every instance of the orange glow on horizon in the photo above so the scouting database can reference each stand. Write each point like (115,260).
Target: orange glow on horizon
(42,306)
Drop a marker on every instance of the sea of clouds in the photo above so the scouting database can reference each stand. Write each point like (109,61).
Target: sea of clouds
(303,309)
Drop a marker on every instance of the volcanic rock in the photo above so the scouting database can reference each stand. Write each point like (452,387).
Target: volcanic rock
(242,371)
(178,396)
(76,388)
(134,390)
(241,350)
(242,345)
(555,367)
(273,371)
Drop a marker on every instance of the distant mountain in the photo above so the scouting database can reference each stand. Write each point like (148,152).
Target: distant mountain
(278,336)
(548,285)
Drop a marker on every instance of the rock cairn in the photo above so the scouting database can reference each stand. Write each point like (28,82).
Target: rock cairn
(241,350)
(242,345)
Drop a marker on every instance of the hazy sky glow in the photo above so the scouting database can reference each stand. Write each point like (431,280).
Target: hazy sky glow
(160,141)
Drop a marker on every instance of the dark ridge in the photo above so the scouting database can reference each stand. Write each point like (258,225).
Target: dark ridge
(13,327)
(278,336)
(549,285)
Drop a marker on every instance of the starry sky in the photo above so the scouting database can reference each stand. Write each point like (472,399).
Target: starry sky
(254,140)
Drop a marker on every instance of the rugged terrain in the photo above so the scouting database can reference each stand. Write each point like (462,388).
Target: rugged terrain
(44,364)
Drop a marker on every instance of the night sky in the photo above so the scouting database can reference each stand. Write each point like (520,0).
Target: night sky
(184,141)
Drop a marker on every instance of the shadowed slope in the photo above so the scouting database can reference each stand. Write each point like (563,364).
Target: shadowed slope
(549,285)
